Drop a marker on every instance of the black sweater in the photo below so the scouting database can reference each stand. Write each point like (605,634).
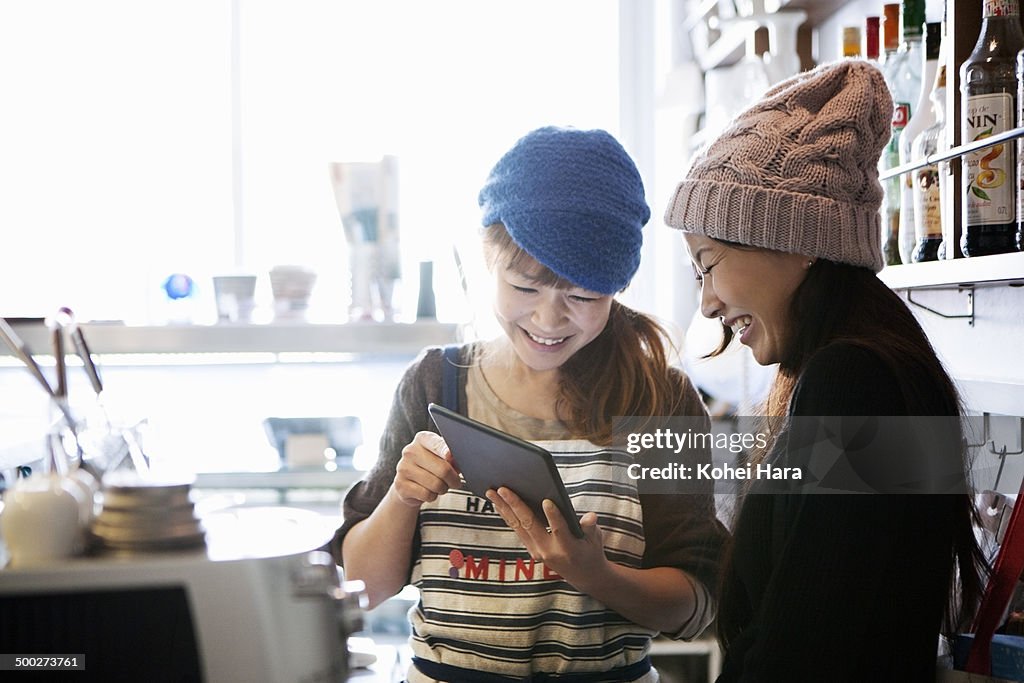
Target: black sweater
(840,587)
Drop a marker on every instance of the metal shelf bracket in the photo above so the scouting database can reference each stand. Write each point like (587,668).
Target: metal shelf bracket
(969,315)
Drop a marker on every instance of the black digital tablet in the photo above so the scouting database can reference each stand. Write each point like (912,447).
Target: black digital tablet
(489,458)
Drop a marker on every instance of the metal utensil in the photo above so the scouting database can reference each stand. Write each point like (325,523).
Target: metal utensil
(82,349)
(126,435)
(21,351)
(11,339)
(56,326)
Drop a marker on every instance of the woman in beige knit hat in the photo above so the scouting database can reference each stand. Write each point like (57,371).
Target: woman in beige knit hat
(781,220)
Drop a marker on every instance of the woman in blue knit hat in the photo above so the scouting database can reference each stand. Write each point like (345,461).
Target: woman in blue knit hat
(503,594)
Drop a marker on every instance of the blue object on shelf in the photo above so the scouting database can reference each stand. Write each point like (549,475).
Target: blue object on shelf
(179,286)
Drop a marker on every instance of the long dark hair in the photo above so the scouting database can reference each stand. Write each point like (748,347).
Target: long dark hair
(850,304)
(624,371)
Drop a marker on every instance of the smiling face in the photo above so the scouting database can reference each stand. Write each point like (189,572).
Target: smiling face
(546,323)
(750,290)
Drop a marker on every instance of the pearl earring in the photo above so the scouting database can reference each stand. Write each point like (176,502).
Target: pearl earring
(810,263)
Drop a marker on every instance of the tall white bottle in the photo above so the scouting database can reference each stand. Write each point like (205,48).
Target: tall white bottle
(902,70)
(930,184)
(922,117)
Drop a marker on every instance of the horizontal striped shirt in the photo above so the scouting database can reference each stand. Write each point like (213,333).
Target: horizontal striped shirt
(486,605)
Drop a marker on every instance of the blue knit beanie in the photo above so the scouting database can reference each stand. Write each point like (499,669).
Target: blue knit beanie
(574,201)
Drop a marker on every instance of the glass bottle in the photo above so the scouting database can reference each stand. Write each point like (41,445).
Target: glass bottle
(426,305)
(927,191)
(922,118)
(902,72)
(988,91)
(890,155)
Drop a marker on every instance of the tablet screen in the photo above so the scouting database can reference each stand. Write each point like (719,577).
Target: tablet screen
(489,458)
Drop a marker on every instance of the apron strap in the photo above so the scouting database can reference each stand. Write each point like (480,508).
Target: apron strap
(450,378)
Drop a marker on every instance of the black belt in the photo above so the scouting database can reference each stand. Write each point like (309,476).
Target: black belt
(456,674)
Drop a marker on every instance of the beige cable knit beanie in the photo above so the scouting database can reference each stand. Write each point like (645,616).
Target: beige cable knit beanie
(798,171)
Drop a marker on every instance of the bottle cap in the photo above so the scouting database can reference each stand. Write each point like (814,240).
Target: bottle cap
(912,18)
(851,41)
(891,30)
(871,38)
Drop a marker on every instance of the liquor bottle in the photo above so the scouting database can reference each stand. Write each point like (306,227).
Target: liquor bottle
(890,155)
(922,118)
(426,305)
(902,72)
(851,41)
(988,91)
(871,39)
(928,183)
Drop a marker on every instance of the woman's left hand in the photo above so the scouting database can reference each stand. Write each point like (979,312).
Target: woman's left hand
(551,542)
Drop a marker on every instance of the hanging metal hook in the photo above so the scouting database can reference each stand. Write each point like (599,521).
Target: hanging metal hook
(1002,452)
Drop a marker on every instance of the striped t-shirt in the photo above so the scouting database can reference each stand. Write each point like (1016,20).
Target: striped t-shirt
(457,623)
(486,605)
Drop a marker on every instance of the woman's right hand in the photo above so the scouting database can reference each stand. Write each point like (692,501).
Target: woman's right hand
(425,471)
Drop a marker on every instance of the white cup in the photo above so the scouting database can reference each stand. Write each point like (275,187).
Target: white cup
(41,520)
(236,297)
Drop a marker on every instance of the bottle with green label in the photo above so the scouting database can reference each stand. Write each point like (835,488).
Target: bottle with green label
(988,92)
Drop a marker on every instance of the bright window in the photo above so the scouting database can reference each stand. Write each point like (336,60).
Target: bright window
(117,156)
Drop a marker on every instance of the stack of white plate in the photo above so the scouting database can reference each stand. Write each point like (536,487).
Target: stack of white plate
(140,516)
(291,287)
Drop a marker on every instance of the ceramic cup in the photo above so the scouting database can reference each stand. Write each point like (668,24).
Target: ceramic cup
(41,520)
(236,297)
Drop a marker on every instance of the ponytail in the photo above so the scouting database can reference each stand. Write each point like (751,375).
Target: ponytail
(623,372)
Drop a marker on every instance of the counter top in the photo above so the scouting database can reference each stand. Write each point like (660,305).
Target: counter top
(281,479)
(393,658)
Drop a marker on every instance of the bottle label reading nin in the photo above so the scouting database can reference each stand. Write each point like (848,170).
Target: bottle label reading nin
(990,189)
